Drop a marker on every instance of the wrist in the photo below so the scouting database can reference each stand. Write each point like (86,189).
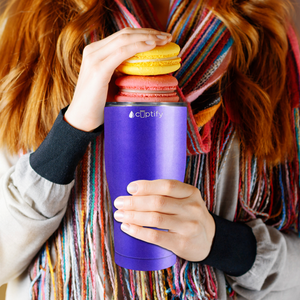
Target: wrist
(83,120)
(58,156)
(210,230)
(233,249)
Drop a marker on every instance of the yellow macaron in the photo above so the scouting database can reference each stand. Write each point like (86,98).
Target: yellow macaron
(160,60)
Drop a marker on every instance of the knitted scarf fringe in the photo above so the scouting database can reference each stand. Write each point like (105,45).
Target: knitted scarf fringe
(67,266)
(87,229)
(72,271)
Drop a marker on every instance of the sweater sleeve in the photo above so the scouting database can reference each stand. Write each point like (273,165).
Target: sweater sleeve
(276,270)
(259,261)
(24,226)
(233,249)
(33,200)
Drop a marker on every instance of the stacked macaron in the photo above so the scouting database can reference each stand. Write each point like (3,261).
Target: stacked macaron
(161,88)
(146,82)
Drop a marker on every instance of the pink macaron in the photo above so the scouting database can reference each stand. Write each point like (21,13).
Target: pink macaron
(160,88)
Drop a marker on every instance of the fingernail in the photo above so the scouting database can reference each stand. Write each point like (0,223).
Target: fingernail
(132,188)
(119,215)
(165,33)
(161,37)
(125,226)
(119,202)
(150,42)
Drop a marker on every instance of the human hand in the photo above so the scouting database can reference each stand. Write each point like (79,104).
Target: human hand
(172,205)
(99,61)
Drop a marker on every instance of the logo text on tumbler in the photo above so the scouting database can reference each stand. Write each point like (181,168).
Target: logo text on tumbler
(145,114)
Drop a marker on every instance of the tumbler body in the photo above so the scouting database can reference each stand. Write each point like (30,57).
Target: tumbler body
(143,141)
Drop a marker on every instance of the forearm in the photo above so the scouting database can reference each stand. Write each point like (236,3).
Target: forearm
(233,249)
(31,209)
(277,264)
(34,195)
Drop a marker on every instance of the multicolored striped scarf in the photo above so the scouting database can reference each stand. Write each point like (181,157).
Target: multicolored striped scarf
(77,262)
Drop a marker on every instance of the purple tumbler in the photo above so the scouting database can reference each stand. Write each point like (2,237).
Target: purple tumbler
(143,141)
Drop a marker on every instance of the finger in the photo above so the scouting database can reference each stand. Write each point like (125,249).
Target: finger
(149,219)
(106,68)
(161,238)
(124,40)
(156,203)
(118,56)
(129,31)
(165,187)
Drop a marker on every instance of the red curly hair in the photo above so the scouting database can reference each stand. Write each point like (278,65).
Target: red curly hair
(41,51)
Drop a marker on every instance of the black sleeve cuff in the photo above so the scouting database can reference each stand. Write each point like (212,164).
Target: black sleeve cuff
(234,247)
(58,156)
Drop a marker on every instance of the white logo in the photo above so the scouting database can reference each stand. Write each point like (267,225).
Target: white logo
(145,114)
